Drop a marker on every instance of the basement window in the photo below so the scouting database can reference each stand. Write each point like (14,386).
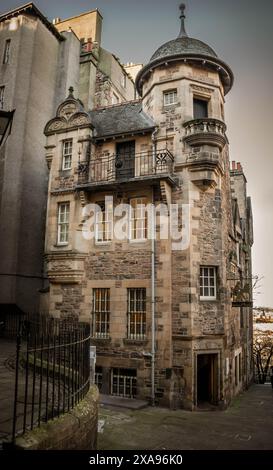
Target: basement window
(124,382)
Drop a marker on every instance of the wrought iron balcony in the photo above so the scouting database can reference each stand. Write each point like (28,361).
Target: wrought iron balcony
(205,131)
(104,170)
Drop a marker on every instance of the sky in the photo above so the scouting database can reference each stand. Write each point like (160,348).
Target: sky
(241,33)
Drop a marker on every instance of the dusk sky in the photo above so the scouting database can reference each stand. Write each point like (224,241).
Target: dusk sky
(241,32)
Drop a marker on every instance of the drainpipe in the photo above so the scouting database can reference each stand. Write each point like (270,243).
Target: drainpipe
(153,221)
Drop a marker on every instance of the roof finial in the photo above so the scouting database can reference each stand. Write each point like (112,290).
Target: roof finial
(182,33)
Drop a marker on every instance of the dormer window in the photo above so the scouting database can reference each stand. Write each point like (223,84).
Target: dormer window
(170,97)
(67,154)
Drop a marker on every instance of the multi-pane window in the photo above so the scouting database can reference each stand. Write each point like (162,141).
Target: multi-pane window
(124,383)
(6,55)
(2,92)
(170,97)
(136,299)
(138,219)
(104,222)
(63,222)
(67,154)
(101,313)
(208,283)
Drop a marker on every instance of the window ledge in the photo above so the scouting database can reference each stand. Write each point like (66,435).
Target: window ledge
(94,339)
(208,299)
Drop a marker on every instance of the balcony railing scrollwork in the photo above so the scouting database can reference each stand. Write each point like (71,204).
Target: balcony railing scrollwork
(205,131)
(120,168)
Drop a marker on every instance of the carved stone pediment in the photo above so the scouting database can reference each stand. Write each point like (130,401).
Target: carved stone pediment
(70,114)
(65,268)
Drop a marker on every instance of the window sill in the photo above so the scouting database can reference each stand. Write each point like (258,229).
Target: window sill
(61,245)
(100,340)
(103,243)
(208,299)
(135,341)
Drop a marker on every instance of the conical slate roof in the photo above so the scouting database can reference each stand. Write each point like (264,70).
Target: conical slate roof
(187,49)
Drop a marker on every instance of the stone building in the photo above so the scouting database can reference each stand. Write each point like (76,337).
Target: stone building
(38,63)
(171,318)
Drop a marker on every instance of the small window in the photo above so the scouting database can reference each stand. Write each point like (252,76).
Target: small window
(63,223)
(136,299)
(170,97)
(2,92)
(101,313)
(67,154)
(115,98)
(238,253)
(98,377)
(6,56)
(200,108)
(104,223)
(207,283)
(138,219)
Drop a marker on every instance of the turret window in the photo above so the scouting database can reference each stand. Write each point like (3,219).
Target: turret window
(67,154)
(200,108)
(170,97)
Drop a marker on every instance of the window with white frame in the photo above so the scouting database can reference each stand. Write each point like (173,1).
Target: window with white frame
(67,154)
(104,222)
(124,382)
(138,219)
(63,222)
(6,55)
(170,97)
(2,92)
(136,299)
(101,313)
(207,283)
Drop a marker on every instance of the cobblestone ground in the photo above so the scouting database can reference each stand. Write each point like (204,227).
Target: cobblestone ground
(246,425)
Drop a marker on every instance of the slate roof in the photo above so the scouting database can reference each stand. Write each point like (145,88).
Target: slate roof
(182,45)
(120,119)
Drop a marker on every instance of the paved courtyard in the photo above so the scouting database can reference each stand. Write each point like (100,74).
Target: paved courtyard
(246,425)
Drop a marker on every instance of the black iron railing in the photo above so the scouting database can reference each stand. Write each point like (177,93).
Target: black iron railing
(115,168)
(52,370)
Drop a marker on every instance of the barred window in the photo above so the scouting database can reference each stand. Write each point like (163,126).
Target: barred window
(2,92)
(104,223)
(124,382)
(63,222)
(6,55)
(67,154)
(101,313)
(170,97)
(208,283)
(138,219)
(136,299)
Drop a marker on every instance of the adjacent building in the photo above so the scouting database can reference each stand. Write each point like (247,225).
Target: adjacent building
(39,61)
(171,317)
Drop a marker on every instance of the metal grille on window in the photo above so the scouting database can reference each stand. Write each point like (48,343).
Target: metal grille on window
(138,219)
(208,282)
(124,383)
(101,313)
(136,314)
(104,223)
(67,154)
(170,97)
(63,222)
